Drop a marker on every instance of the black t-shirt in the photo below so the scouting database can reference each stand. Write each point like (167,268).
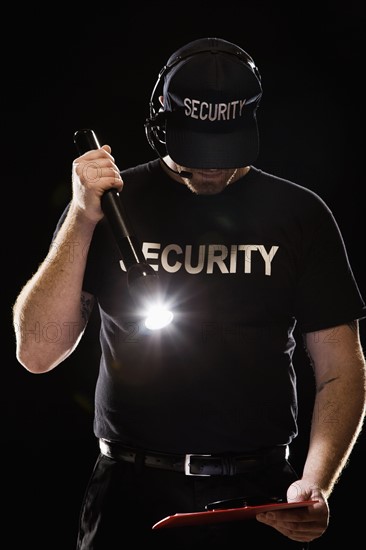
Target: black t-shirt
(240,270)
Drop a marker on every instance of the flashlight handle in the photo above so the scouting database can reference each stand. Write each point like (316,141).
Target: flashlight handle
(86,140)
(131,250)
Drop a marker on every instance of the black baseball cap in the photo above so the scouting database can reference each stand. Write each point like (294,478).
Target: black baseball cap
(211,91)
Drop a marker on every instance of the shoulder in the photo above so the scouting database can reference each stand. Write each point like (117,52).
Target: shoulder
(140,178)
(279,184)
(287,198)
(145,169)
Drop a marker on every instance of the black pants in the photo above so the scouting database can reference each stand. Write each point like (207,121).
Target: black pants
(123,501)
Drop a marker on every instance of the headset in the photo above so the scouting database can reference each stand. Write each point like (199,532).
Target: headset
(155,123)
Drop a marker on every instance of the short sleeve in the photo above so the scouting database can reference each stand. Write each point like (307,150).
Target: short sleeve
(327,293)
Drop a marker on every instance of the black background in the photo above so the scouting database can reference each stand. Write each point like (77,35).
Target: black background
(75,67)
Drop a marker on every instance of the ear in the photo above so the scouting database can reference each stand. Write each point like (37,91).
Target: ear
(161,99)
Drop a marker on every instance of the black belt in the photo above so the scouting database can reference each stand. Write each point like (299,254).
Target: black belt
(196,464)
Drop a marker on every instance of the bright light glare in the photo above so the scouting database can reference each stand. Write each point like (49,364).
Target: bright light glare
(158,317)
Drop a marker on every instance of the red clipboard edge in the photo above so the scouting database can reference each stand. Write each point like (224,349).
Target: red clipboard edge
(229,514)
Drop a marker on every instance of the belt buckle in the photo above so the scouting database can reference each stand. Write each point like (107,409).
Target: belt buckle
(187,465)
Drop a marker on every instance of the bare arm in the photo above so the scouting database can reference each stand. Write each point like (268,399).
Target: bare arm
(51,311)
(339,366)
(338,415)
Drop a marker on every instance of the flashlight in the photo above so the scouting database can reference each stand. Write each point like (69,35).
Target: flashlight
(142,280)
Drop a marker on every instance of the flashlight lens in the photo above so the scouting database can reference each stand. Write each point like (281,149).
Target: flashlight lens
(158,317)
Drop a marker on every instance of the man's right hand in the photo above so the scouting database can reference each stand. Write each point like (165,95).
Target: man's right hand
(93,173)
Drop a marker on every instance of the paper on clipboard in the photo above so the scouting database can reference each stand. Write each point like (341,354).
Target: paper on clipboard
(228,514)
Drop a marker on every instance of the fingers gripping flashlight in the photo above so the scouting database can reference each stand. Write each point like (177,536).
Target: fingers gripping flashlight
(142,280)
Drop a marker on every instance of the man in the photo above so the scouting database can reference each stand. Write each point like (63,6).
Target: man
(204,410)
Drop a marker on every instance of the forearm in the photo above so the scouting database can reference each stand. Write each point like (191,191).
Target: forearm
(337,419)
(48,315)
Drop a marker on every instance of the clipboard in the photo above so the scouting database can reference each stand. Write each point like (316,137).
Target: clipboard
(227,514)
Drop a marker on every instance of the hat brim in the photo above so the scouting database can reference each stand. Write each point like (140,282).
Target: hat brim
(234,149)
